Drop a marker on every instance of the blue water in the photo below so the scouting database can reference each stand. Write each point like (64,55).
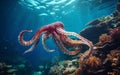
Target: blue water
(18,15)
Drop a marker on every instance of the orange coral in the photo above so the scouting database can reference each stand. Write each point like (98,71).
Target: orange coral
(114,56)
(77,72)
(93,62)
(67,71)
(104,38)
(113,37)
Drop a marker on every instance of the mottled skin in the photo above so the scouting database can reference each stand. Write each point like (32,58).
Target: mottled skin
(57,32)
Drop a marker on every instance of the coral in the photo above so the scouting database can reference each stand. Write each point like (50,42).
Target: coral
(115,72)
(102,25)
(104,38)
(69,70)
(105,60)
(68,63)
(92,66)
(94,31)
(67,67)
(109,40)
(78,72)
(93,62)
(115,34)
(56,70)
(70,66)
(114,57)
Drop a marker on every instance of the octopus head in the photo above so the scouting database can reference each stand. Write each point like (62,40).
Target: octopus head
(59,24)
(56,25)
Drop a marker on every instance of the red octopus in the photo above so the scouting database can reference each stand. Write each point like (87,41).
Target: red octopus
(57,32)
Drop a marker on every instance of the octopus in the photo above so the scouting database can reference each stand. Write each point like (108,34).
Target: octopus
(61,37)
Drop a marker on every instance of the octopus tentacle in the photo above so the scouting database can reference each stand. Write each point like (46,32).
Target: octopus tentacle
(49,28)
(61,46)
(63,32)
(23,42)
(61,38)
(34,38)
(44,38)
(70,42)
(85,41)
(32,47)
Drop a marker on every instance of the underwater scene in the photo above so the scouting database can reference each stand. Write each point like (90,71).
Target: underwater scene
(60,37)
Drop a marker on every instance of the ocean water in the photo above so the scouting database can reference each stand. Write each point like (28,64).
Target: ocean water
(18,15)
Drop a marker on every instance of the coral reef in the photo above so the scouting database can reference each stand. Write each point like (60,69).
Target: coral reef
(66,67)
(93,62)
(104,38)
(104,32)
(102,25)
(115,34)
(114,57)
(70,67)
(56,70)
(112,37)
(105,60)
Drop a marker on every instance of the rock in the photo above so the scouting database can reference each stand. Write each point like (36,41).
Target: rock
(94,22)
(93,33)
